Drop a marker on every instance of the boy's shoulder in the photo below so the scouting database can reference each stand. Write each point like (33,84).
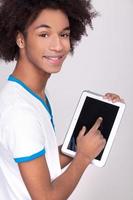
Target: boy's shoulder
(13,99)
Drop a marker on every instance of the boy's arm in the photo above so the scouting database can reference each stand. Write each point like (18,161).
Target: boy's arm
(37,179)
(36,174)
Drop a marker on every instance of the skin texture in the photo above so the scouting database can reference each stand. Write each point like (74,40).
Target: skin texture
(41,54)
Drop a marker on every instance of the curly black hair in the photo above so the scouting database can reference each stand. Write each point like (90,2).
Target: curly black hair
(18,15)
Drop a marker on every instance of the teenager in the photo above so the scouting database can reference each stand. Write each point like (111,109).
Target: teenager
(39,34)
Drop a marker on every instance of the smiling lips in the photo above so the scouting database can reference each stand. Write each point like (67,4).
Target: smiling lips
(54,59)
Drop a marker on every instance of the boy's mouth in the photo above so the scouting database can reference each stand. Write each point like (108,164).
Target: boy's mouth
(54,59)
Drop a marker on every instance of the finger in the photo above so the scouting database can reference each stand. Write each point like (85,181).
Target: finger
(103,142)
(116,99)
(106,96)
(98,132)
(112,97)
(101,146)
(82,132)
(97,123)
(101,136)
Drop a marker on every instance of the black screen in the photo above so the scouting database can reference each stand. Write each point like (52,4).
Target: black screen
(91,110)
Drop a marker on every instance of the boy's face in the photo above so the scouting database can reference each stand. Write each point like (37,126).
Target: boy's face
(47,42)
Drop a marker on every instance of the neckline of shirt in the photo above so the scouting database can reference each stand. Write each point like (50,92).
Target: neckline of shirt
(46,105)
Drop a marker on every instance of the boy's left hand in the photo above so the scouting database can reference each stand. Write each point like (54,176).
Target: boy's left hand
(113,97)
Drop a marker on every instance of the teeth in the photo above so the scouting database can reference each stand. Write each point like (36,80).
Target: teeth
(54,58)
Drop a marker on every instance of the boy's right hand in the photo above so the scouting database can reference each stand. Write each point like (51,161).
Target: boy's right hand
(90,145)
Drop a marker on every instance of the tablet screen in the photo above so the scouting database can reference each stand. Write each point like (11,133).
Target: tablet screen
(91,110)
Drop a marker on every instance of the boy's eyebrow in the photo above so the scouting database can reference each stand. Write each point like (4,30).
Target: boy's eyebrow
(49,27)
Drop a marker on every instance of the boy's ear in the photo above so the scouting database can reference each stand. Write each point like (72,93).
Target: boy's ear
(20,40)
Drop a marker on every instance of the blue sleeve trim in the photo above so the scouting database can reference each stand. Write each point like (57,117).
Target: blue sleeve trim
(30,158)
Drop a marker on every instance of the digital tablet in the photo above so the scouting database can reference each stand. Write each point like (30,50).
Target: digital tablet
(90,107)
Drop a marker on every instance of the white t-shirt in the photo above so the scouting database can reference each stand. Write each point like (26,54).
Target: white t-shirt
(26,133)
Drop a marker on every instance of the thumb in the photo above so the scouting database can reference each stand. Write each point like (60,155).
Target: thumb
(82,132)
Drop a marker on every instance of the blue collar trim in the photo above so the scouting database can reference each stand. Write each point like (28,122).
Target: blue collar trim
(46,105)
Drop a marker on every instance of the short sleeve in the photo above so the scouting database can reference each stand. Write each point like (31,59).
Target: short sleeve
(25,138)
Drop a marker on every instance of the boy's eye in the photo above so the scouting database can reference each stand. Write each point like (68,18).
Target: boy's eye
(65,35)
(43,35)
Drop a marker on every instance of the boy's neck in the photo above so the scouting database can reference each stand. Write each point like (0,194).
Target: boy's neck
(32,77)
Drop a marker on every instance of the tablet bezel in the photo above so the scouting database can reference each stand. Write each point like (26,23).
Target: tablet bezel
(65,150)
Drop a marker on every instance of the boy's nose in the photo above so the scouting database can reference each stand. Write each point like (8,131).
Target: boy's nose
(56,44)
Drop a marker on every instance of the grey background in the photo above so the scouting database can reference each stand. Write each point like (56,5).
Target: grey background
(103,62)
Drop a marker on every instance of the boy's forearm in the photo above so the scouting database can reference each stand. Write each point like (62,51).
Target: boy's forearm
(64,185)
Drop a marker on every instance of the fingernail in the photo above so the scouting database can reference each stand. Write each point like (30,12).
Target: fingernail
(100,118)
(84,128)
